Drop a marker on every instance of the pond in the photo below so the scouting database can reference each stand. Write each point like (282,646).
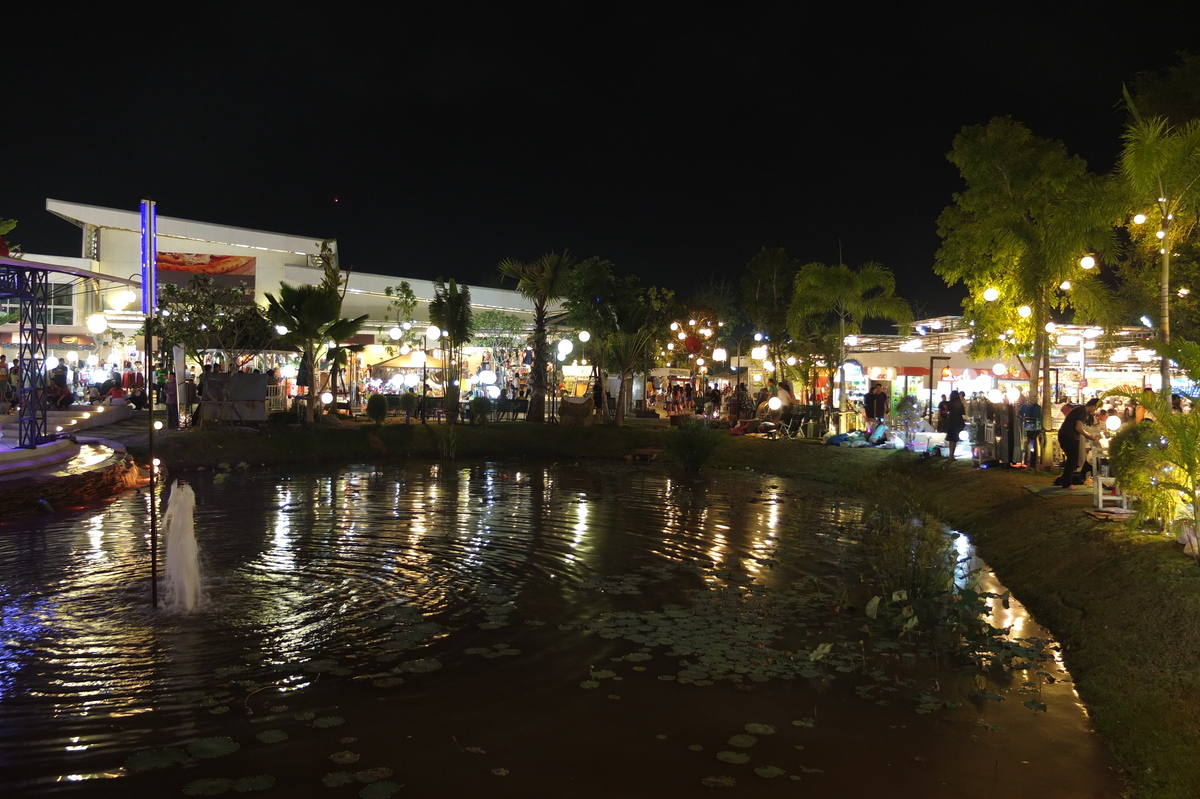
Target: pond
(503,629)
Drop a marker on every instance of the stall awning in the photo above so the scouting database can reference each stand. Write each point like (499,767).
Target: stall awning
(408,361)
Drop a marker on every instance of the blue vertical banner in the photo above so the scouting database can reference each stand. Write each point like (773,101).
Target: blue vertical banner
(149,258)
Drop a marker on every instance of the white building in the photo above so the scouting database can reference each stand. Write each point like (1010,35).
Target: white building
(111,246)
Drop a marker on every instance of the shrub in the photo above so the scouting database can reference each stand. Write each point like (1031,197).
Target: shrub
(481,410)
(692,443)
(377,408)
(408,403)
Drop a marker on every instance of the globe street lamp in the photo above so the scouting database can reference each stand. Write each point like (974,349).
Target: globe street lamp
(432,333)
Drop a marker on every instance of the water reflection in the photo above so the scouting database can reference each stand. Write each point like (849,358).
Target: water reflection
(353,573)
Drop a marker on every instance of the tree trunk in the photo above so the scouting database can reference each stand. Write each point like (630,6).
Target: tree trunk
(309,406)
(620,417)
(537,379)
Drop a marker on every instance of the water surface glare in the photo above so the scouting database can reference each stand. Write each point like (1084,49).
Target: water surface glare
(524,630)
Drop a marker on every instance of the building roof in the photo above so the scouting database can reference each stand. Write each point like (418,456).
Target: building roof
(113,218)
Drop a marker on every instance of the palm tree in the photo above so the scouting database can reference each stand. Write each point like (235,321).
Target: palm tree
(311,316)
(543,281)
(1161,164)
(850,296)
(450,310)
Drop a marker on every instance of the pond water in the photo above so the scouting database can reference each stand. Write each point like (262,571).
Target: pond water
(502,629)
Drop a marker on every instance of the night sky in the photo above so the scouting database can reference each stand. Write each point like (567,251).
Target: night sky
(672,140)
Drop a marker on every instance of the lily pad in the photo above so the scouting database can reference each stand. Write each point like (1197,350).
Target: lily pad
(1035,705)
(211,786)
(272,736)
(742,741)
(379,790)
(733,757)
(213,747)
(718,782)
(760,729)
(769,772)
(257,782)
(329,721)
(373,774)
(344,757)
(155,758)
(335,778)
(388,682)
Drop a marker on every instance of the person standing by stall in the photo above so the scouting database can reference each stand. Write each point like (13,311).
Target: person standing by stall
(875,406)
(1071,436)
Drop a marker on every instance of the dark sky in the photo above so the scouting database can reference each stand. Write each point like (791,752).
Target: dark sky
(673,140)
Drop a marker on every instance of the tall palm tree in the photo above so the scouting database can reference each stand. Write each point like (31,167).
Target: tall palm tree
(311,316)
(1161,164)
(544,281)
(450,309)
(849,296)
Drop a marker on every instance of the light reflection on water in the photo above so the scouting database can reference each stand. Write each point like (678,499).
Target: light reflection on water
(299,568)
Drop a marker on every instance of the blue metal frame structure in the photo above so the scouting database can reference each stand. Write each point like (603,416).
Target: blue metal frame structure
(31,287)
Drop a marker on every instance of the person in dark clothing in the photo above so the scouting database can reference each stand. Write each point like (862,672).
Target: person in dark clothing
(956,422)
(1070,437)
(876,405)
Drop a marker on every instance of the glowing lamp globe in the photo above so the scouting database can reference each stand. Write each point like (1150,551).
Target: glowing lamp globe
(719,354)
(97,324)
(791,360)
(411,380)
(1139,219)
(564,347)
(52,362)
(493,392)
(288,371)
(995,396)
(487,377)
(281,330)
(1113,422)
(585,336)
(433,333)
(1087,262)
(93,360)
(999,370)
(1025,312)
(405,349)
(72,356)
(991,294)
(395,333)
(774,403)
(326,398)
(418,357)
(158,425)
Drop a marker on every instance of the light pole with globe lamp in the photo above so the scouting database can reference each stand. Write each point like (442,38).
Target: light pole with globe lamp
(432,333)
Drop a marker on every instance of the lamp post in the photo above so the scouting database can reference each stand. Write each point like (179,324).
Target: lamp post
(929,408)
(724,355)
(433,332)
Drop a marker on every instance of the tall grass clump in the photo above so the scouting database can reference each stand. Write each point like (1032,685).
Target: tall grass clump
(692,443)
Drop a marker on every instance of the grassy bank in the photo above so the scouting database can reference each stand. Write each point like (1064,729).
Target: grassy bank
(1126,607)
